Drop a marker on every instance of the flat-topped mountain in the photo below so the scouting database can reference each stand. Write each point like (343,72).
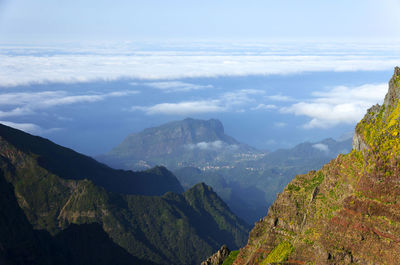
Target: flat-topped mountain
(346,213)
(189,142)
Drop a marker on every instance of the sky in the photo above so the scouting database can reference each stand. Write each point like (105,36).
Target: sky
(85,74)
(94,20)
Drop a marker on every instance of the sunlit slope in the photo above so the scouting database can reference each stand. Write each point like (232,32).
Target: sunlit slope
(346,213)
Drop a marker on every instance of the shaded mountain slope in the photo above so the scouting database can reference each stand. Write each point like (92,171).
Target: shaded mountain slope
(84,244)
(346,213)
(67,163)
(170,229)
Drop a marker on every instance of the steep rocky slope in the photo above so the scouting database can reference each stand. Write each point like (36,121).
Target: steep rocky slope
(346,213)
(170,229)
(85,244)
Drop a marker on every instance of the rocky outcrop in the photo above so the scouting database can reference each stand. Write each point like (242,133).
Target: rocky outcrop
(393,94)
(358,143)
(346,213)
(218,258)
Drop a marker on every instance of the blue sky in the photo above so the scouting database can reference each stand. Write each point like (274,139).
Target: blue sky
(72,20)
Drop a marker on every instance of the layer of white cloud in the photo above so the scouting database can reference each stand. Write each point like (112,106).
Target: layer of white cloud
(224,102)
(339,105)
(176,86)
(262,58)
(213,146)
(321,147)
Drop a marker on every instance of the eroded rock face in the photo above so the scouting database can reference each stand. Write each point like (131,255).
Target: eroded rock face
(393,94)
(358,143)
(218,258)
(346,213)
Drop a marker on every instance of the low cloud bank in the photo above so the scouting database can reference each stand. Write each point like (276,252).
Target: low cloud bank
(72,66)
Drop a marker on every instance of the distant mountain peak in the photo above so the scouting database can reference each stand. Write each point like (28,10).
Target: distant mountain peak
(200,130)
(187,141)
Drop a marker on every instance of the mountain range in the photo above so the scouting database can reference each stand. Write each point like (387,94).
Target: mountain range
(200,151)
(60,205)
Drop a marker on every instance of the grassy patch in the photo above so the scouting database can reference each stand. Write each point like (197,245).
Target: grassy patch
(314,182)
(279,254)
(231,258)
(292,187)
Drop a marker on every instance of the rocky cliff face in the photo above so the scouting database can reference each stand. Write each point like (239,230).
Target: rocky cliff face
(346,213)
(218,258)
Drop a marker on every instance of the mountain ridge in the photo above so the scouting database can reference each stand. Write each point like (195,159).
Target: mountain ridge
(163,229)
(346,213)
(69,164)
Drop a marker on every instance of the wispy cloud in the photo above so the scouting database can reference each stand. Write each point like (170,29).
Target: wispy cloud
(280,124)
(212,146)
(223,103)
(27,102)
(339,105)
(280,97)
(265,107)
(18,67)
(16,112)
(29,127)
(321,147)
(240,97)
(182,108)
(176,86)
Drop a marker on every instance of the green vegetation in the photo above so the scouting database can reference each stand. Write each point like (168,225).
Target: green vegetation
(231,258)
(292,187)
(279,254)
(80,245)
(170,229)
(310,185)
